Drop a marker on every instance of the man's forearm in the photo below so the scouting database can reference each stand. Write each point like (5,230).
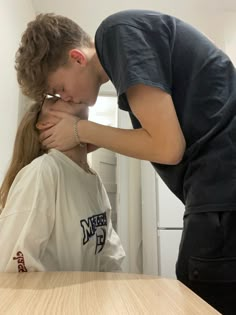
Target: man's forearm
(136,143)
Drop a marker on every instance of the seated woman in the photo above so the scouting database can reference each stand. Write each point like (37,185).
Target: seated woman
(56,215)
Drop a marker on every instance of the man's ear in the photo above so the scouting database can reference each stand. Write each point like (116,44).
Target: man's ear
(78,56)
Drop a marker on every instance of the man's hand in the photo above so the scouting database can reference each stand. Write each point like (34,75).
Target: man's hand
(60,136)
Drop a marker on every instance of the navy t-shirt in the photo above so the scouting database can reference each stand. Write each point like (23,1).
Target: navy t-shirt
(162,51)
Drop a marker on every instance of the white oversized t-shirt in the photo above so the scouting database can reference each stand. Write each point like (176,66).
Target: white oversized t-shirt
(58,218)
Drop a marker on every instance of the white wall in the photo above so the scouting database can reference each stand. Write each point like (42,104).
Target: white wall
(230,34)
(13,18)
(90,13)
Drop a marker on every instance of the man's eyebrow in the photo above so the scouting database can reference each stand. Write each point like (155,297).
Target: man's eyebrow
(54,91)
(51,94)
(50,90)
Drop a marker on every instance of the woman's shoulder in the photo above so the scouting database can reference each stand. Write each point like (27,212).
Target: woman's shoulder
(35,182)
(44,166)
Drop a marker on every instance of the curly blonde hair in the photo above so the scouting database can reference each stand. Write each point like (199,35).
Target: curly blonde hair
(44,48)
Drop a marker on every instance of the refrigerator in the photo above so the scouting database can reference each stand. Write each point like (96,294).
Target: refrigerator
(162,224)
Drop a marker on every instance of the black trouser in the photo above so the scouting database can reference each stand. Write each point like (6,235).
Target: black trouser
(207,258)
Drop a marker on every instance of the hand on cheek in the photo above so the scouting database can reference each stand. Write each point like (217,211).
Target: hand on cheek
(44,125)
(47,123)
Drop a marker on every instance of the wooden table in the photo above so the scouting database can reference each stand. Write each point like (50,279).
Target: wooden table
(96,293)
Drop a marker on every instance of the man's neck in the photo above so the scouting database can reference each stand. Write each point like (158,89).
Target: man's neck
(94,60)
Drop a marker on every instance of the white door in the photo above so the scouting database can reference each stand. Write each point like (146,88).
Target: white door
(103,161)
(161,224)
(128,207)
(117,175)
(149,219)
(170,209)
(168,249)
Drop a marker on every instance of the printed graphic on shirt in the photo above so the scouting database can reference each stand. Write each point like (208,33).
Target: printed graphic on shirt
(20,262)
(95,224)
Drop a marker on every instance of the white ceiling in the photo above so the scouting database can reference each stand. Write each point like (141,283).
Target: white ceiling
(72,7)
(90,13)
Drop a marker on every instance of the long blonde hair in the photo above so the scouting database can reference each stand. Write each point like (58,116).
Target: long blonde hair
(26,148)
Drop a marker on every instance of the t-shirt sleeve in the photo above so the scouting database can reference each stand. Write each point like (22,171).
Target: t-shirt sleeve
(113,253)
(27,220)
(132,55)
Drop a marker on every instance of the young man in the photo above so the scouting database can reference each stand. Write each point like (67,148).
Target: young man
(179,89)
